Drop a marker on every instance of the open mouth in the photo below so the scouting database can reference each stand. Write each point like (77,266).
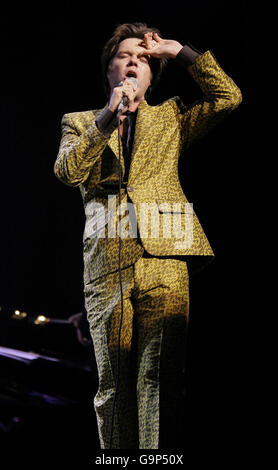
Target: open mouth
(131,73)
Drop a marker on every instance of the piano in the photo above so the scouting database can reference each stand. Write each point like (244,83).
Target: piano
(47,383)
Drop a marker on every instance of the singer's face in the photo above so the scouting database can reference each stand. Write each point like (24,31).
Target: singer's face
(131,59)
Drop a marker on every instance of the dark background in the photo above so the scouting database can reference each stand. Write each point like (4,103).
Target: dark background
(50,66)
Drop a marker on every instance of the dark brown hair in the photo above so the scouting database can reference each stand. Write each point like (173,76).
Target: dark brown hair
(125,31)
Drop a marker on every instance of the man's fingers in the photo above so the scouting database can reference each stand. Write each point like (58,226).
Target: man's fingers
(148,40)
(129,95)
(151,39)
(152,42)
(157,38)
(128,88)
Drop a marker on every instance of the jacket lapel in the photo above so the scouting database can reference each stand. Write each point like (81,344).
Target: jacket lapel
(143,130)
(139,161)
(113,141)
(114,145)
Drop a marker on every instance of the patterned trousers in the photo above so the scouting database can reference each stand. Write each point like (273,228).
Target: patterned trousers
(152,352)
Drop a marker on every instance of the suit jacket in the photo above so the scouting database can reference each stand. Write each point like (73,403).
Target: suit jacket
(162,220)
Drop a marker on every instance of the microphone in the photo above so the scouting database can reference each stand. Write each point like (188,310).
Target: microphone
(124,101)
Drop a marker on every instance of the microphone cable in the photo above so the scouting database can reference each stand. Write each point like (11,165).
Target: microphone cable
(121,290)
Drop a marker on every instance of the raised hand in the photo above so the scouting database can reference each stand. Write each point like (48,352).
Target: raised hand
(161,48)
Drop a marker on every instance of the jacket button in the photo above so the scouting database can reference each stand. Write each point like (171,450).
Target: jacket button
(130,188)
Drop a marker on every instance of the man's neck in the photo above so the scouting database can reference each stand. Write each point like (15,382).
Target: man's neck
(133,105)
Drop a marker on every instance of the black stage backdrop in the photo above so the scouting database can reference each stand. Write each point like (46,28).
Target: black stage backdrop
(50,66)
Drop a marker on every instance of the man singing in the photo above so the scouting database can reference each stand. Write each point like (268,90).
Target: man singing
(140,229)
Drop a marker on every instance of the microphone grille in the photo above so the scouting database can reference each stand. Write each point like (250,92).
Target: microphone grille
(134,81)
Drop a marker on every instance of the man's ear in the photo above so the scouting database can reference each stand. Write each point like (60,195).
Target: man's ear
(108,70)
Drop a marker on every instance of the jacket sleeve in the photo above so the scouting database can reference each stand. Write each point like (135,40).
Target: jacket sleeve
(79,150)
(220,96)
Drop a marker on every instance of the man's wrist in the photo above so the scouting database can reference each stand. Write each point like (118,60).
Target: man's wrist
(112,108)
(187,56)
(175,49)
(107,122)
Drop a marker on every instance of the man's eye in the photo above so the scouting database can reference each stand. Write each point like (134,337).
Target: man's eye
(144,58)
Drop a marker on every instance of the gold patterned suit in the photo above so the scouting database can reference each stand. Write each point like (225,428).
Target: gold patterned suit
(89,160)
